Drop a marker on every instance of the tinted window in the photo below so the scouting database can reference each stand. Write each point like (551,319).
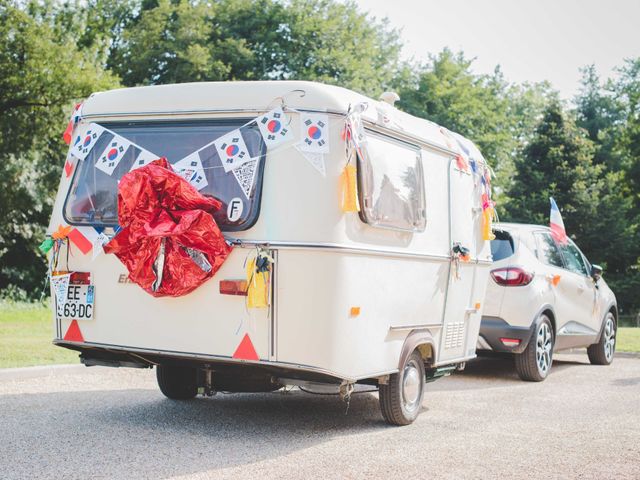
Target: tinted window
(392,184)
(93,195)
(548,252)
(573,259)
(501,246)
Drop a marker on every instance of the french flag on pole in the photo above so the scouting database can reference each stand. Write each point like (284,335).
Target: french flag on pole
(557,225)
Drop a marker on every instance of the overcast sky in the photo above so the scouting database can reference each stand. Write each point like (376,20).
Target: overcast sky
(532,40)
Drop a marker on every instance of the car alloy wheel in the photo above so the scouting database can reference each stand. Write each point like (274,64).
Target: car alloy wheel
(544,344)
(609,338)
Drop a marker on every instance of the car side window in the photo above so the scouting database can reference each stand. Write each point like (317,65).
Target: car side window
(548,251)
(574,259)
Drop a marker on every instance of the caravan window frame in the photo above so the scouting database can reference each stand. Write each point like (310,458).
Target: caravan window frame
(234,122)
(420,222)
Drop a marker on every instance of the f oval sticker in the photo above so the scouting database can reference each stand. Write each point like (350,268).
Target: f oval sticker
(234,209)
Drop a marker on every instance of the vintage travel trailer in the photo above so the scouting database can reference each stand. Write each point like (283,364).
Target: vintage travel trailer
(357,241)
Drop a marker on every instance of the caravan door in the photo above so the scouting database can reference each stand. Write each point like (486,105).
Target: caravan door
(460,310)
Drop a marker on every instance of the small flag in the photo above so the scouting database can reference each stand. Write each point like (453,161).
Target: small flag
(145,157)
(232,150)
(59,287)
(557,225)
(67,136)
(245,176)
(273,128)
(113,154)
(315,132)
(85,140)
(190,168)
(80,240)
(69,163)
(315,159)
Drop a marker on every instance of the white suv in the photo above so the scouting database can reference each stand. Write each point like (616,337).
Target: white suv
(543,297)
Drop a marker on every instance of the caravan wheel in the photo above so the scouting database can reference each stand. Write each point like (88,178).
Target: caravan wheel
(401,398)
(177,383)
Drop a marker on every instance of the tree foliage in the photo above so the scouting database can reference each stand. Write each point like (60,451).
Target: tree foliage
(41,73)
(587,155)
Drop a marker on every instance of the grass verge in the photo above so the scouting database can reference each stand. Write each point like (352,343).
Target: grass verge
(26,332)
(628,339)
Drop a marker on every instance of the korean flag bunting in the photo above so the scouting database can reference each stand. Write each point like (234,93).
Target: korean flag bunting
(232,150)
(85,140)
(273,128)
(245,176)
(190,168)
(113,154)
(145,157)
(314,132)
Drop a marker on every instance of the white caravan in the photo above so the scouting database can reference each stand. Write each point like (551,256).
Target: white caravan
(388,296)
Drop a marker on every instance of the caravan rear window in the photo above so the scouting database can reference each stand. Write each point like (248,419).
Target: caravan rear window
(391,184)
(93,196)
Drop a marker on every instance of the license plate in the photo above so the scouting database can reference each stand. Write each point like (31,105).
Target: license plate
(79,304)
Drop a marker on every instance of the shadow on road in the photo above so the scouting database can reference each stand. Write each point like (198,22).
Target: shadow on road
(138,433)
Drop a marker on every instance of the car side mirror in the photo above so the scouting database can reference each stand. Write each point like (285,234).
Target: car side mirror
(596,272)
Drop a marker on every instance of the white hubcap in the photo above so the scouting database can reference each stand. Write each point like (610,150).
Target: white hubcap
(411,386)
(543,348)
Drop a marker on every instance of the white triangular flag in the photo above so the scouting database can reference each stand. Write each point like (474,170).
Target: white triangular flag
(314,128)
(59,287)
(245,175)
(315,159)
(100,241)
(113,154)
(85,139)
(273,128)
(190,168)
(232,150)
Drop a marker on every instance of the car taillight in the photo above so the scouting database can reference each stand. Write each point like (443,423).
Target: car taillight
(511,276)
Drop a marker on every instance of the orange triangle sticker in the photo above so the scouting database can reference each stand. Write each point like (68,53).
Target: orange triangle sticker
(245,350)
(73,333)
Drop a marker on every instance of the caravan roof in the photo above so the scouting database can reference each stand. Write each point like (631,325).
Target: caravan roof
(254,96)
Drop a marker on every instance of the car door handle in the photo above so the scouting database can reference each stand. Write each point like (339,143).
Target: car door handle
(580,288)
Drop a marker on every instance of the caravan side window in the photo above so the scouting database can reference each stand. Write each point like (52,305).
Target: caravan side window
(391,184)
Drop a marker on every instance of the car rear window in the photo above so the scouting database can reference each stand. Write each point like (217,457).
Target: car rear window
(501,246)
(92,198)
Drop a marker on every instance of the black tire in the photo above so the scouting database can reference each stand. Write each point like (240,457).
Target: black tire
(601,353)
(396,406)
(534,364)
(177,383)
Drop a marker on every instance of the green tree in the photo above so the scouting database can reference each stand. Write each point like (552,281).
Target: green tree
(41,74)
(558,162)
(182,41)
(497,116)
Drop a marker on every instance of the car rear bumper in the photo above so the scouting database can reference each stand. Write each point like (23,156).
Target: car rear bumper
(494,329)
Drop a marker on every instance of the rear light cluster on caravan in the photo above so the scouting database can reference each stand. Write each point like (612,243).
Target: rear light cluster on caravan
(511,276)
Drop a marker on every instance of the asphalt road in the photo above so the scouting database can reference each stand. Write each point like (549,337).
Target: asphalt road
(582,422)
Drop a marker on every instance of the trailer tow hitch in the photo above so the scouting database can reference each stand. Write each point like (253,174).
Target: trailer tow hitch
(206,386)
(346,389)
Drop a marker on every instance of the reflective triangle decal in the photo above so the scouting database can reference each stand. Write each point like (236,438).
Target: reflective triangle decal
(245,350)
(73,333)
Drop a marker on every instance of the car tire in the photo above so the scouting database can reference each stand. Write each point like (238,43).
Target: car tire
(534,364)
(601,353)
(401,398)
(177,383)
